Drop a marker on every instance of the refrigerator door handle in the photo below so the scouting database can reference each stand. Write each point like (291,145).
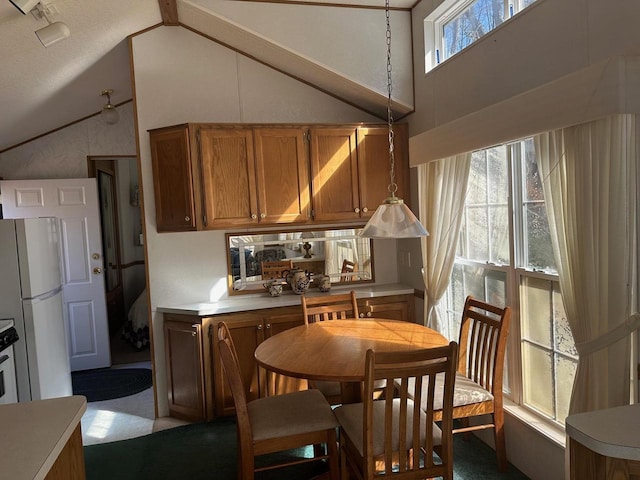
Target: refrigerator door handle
(44,296)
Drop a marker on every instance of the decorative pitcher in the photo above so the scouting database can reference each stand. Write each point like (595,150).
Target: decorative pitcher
(323,282)
(298,280)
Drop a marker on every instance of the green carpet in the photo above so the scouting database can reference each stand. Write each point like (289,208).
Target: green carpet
(208,451)
(109,383)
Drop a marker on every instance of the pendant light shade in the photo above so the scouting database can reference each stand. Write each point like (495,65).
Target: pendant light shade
(392,219)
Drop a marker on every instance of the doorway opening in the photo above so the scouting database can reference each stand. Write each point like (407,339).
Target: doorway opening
(123,257)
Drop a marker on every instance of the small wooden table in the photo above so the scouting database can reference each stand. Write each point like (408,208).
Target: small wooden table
(335,350)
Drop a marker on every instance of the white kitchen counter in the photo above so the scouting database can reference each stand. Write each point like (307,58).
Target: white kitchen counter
(612,432)
(34,434)
(243,303)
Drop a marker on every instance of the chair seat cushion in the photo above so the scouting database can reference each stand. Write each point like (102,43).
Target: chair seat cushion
(351,420)
(290,414)
(467,392)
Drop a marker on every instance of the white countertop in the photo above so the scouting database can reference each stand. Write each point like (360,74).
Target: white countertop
(243,303)
(612,432)
(32,434)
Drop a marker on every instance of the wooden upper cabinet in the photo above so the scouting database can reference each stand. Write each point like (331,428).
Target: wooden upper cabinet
(334,174)
(282,175)
(173,179)
(374,167)
(228,177)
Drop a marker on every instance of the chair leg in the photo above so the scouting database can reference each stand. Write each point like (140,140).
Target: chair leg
(501,450)
(332,451)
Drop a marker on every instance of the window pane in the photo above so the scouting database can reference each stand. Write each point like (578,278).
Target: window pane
(565,373)
(478,234)
(533,190)
(562,333)
(480,17)
(539,248)
(477,189)
(498,169)
(499,228)
(537,369)
(535,311)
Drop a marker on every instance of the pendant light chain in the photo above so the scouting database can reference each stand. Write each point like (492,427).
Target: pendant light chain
(393,187)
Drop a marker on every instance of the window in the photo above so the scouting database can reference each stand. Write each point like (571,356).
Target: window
(508,259)
(456,24)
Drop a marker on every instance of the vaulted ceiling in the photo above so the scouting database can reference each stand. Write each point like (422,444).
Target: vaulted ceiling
(43,89)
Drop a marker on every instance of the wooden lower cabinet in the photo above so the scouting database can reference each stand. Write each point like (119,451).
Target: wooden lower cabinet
(197,385)
(187,341)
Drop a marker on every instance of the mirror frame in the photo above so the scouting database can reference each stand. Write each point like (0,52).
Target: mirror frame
(260,288)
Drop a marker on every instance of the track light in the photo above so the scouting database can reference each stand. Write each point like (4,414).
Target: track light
(109,113)
(52,33)
(25,6)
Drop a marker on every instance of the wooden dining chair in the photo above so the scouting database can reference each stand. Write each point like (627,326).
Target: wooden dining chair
(478,390)
(329,307)
(275,269)
(393,436)
(278,423)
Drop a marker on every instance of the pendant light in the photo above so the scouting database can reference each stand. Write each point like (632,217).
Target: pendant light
(109,113)
(392,219)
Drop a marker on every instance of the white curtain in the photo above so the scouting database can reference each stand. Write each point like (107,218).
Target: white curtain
(589,175)
(442,187)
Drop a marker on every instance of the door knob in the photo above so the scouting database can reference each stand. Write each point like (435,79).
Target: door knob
(95,256)
(97,271)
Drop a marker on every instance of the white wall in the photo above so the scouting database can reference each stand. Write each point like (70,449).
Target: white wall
(210,83)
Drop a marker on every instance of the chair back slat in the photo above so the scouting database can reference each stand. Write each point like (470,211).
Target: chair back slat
(329,307)
(483,336)
(408,433)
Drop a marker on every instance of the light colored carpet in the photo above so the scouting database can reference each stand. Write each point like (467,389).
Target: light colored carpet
(123,418)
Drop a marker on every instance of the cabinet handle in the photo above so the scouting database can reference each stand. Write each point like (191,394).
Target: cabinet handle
(368,314)
(361,315)
(365,209)
(268,325)
(263,215)
(259,327)
(357,210)
(187,218)
(195,325)
(254,216)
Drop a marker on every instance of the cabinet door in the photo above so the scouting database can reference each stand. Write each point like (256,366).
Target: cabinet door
(173,179)
(374,166)
(282,175)
(393,307)
(228,177)
(247,331)
(334,174)
(185,379)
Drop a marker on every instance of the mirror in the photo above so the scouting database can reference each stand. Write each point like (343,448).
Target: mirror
(339,253)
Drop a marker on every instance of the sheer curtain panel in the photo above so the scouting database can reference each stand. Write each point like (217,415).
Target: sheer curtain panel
(442,187)
(589,175)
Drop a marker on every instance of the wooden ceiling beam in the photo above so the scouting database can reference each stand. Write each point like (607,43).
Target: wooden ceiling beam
(169,12)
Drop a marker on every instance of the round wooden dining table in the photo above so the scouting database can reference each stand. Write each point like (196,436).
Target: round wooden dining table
(335,350)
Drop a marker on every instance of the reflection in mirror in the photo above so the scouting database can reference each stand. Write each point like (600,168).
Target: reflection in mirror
(339,253)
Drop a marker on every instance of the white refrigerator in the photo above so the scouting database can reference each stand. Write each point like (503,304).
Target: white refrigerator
(31,294)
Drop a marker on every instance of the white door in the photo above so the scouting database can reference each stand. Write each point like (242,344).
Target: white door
(75,203)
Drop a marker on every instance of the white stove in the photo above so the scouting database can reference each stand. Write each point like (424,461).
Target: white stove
(8,388)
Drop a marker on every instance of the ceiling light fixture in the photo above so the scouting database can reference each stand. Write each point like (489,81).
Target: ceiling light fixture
(54,31)
(109,113)
(25,6)
(392,219)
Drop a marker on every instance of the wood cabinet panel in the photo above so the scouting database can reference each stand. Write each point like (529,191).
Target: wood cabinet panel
(334,174)
(228,176)
(395,307)
(282,175)
(173,179)
(374,166)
